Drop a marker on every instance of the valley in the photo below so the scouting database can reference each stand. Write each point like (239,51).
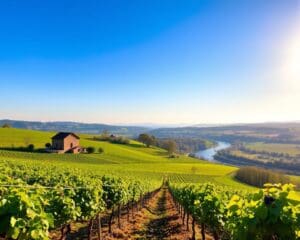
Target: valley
(137,192)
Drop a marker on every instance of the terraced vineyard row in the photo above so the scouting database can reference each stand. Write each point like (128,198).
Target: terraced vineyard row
(35,200)
(227,214)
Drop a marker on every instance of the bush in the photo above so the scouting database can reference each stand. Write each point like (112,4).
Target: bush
(100,150)
(30,147)
(120,140)
(90,150)
(6,125)
(112,139)
(48,145)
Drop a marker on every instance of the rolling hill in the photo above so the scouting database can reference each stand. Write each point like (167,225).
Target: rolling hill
(118,160)
(133,163)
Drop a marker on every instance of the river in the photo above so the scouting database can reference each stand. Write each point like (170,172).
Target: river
(210,153)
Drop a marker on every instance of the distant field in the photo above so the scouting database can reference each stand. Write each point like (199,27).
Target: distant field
(239,153)
(119,160)
(291,149)
(280,157)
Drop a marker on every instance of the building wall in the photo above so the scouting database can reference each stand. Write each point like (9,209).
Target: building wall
(58,144)
(77,150)
(70,142)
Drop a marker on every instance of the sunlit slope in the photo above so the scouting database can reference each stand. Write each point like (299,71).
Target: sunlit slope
(113,153)
(117,159)
(120,160)
(11,137)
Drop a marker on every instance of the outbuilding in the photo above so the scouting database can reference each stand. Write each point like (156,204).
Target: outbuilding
(64,142)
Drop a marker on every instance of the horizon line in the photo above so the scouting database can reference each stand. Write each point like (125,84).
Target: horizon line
(144,124)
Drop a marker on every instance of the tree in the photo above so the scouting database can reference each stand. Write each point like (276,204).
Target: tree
(48,145)
(30,147)
(143,138)
(90,149)
(146,139)
(6,125)
(171,147)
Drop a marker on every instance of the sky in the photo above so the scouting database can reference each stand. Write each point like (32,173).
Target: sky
(150,61)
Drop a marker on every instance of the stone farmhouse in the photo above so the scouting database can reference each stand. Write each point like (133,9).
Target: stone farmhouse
(66,142)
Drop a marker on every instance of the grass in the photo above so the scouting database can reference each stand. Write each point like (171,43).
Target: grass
(133,159)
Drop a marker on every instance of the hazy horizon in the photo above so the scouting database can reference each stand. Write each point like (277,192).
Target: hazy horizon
(156,62)
(159,125)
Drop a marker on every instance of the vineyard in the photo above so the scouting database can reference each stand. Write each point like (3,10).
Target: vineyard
(120,195)
(35,200)
(228,214)
(150,120)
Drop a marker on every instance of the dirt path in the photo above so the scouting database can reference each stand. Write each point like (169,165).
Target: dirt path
(158,220)
(163,221)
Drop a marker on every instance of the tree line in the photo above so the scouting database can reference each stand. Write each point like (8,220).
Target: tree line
(258,176)
(168,144)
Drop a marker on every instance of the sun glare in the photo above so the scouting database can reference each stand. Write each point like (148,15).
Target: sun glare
(291,62)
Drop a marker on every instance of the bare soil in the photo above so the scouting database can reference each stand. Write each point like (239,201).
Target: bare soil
(157,220)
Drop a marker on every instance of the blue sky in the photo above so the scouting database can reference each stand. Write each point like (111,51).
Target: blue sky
(150,61)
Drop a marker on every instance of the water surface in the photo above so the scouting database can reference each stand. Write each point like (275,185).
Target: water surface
(210,153)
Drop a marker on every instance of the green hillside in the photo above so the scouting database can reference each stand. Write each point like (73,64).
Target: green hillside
(120,160)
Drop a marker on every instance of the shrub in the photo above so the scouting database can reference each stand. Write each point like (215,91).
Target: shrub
(100,150)
(48,145)
(30,147)
(90,150)
(112,139)
(6,125)
(120,140)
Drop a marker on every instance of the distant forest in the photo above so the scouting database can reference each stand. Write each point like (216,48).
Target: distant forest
(91,128)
